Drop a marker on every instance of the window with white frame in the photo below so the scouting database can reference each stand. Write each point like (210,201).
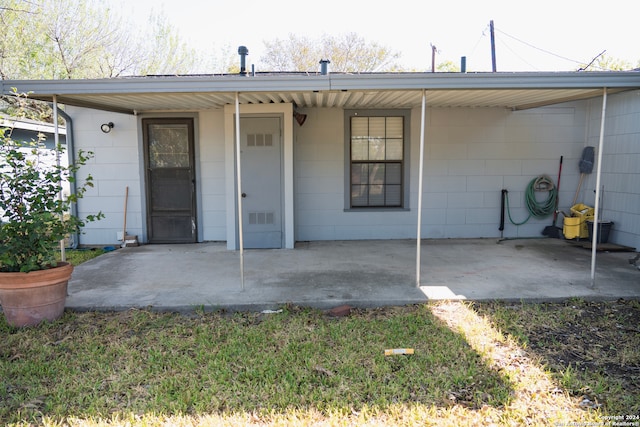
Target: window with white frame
(377,159)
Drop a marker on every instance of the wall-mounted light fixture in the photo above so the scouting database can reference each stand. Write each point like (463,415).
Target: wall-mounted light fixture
(300,118)
(106,127)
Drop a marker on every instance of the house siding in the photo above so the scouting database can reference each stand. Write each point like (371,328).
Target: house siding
(115,166)
(620,179)
(471,154)
(118,163)
(211,172)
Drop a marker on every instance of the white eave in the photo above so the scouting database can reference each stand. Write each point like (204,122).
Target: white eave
(374,90)
(31,125)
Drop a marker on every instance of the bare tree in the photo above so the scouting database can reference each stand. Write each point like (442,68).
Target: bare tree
(347,53)
(60,39)
(79,34)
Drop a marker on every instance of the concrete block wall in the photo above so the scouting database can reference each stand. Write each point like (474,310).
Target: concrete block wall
(118,163)
(115,165)
(470,156)
(210,170)
(620,179)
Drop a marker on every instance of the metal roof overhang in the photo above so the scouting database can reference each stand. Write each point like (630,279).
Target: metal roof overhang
(376,90)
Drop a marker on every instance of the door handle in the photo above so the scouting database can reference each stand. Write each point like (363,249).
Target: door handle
(244,195)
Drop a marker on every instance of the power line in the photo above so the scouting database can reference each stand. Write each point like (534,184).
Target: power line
(540,49)
(518,56)
(521,58)
(479,40)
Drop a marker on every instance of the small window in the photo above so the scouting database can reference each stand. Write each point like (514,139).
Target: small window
(376,159)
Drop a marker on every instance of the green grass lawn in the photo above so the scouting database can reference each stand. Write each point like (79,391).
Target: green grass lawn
(78,256)
(473,364)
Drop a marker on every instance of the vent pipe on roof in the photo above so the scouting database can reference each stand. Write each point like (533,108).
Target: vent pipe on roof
(324,66)
(463,64)
(243,52)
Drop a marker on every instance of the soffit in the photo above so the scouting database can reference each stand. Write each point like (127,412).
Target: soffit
(356,99)
(191,93)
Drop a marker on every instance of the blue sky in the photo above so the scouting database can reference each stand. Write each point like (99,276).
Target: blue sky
(569,31)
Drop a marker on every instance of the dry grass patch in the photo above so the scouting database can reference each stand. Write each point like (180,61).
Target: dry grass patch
(592,349)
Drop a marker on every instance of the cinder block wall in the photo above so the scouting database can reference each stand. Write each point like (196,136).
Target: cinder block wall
(115,165)
(620,179)
(470,156)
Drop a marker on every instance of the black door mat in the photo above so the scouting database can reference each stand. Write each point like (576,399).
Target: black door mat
(610,247)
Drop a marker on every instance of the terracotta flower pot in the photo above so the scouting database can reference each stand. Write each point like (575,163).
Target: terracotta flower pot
(29,298)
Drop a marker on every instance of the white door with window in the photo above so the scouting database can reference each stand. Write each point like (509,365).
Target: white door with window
(261,163)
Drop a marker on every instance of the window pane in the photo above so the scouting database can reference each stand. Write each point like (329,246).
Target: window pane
(394,127)
(376,149)
(377,155)
(377,127)
(376,195)
(359,149)
(359,195)
(376,173)
(168,146)
(394,149)
(359,173)
(393,173)
(359,126)
(393,194)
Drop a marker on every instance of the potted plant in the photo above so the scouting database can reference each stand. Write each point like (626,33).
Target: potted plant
(34,219)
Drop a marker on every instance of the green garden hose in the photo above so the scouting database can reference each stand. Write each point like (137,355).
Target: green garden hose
(537,209)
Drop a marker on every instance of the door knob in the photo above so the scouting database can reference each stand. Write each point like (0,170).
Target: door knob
(244,195)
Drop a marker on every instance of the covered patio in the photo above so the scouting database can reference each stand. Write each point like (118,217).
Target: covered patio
(358,273)
(419,91)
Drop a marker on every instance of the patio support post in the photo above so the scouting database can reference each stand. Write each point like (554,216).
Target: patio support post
(420,175)
(56,142)
(239,189)
(596,216)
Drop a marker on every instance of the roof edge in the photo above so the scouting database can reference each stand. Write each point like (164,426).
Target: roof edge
(336,82)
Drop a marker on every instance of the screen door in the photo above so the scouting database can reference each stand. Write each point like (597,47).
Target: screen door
(170,175)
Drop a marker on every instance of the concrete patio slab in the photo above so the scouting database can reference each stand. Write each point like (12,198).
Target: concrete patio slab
(359,273)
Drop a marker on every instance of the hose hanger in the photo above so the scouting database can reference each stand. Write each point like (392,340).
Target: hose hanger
(537,209)
(543,183)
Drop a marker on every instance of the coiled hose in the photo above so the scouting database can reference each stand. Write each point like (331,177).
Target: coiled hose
(538,209)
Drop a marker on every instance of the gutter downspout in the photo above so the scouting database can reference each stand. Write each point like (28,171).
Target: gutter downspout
(420,177)
(597,203)
(75,241)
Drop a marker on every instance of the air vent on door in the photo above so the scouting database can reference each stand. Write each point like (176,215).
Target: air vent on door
(259,140)
(261,218)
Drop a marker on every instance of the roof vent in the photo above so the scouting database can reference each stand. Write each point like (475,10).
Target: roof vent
(324,66)
(243,52)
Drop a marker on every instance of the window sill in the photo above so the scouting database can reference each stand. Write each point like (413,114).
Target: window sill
(380,209)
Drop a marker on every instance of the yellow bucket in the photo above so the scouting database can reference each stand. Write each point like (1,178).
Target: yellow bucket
(582,211)
(571,227)
(575,226)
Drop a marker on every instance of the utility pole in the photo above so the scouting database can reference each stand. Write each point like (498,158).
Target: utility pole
(493,46)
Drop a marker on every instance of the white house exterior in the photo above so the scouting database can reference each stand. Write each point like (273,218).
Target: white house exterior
(34,134)
(351,170)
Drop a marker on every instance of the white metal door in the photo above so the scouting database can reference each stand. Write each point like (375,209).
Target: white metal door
(260,146)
